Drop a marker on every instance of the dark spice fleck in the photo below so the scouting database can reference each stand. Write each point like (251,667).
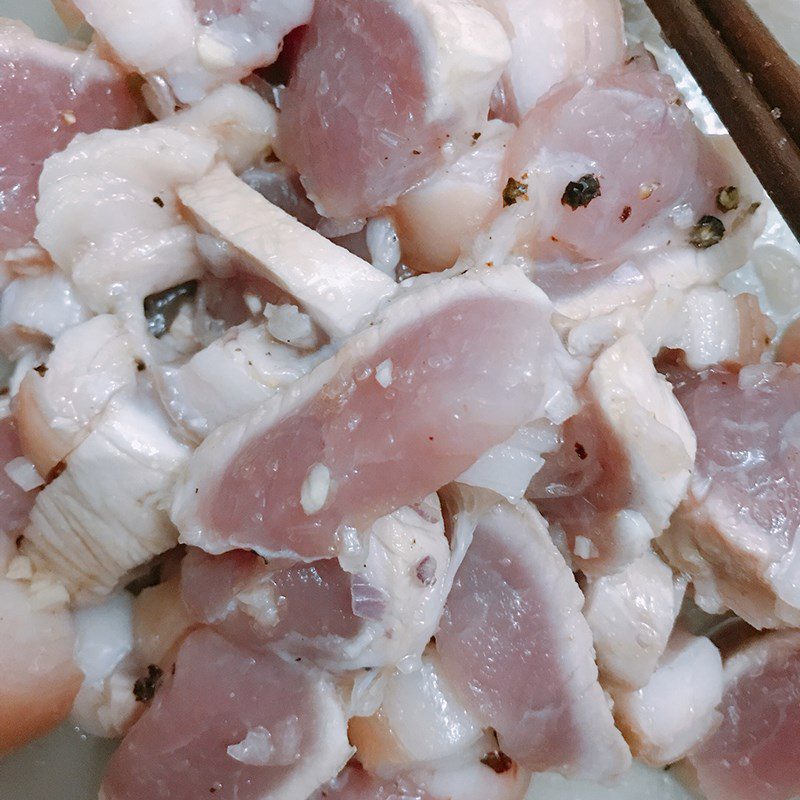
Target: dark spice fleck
(140,366)
(626,214)
(416,152)
(580,193)
(476,136)
(728,198)
(581,451)
(498,761)
(144,690)
(158,201)
(708,232)
(41,369)
(151,577)
(56,471)
(514,191)
(162,308)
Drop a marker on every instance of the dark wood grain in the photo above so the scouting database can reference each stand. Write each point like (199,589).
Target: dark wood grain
(775,73)
(732,89)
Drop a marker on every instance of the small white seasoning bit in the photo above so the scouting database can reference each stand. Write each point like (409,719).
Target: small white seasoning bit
(255,749)
(253,303)
(24,474)
(315,488)
(383,373)
(583,548)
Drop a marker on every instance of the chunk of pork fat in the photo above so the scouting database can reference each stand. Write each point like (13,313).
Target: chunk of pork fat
(624,465)
(735,534)
(194,45)
(337,288)
(108,213)
(420,73)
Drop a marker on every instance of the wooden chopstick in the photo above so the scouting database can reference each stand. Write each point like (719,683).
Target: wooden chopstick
(775,73)
(732,87)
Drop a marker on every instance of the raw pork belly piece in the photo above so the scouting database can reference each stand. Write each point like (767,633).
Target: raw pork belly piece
(552,41)
(382,611)
(233,725)
(193,46)
(103,515)
(624,465)
(516,648)
(338,289)
(735,534)
(438,220)
(48,93)
(631,614)
(645,159)
(377,90)
(56,407)
(108,213)
(407,404)
(755,752)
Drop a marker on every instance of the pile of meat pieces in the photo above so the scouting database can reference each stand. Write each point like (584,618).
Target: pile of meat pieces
(337,463)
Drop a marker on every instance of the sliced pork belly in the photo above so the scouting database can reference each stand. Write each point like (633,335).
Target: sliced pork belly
(48,93)
(419,73)
(108,213)
(16,500)
(755,751)
(405,406)
(381,610)
(676,709)
(438,220)
(250,727)
(195,45)
(516,648)
(552,42)
(103,515)
(337,288)
(735,534)
(57,403)
(40,677)
(640,174)
(631,614)
(624,465)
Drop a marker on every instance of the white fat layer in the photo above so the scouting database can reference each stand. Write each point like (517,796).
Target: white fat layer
(666,718)
(24,474)
(336,288)
(466,50)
